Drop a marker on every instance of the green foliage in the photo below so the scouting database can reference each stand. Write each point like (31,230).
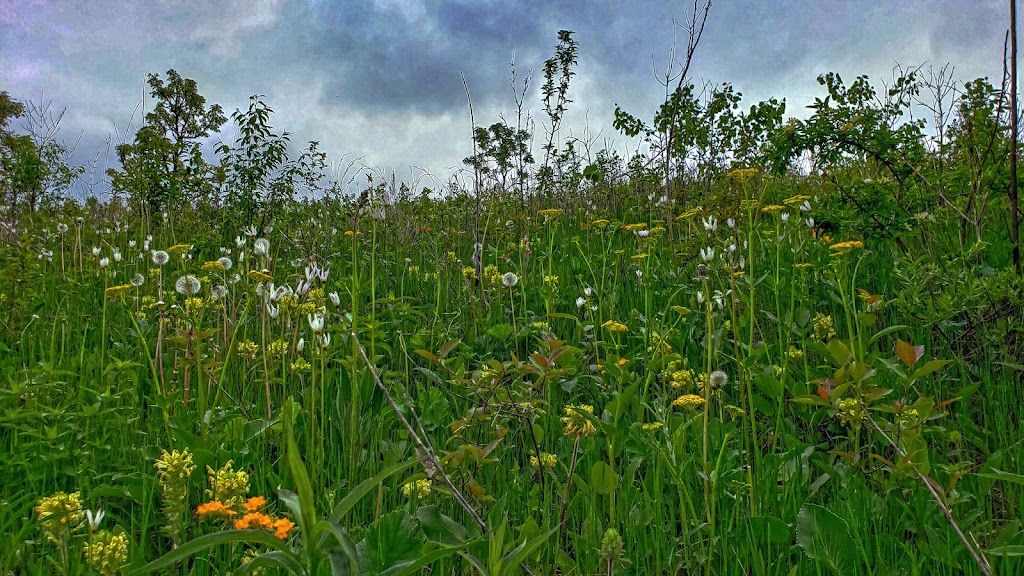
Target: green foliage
(164,165)
(260,174)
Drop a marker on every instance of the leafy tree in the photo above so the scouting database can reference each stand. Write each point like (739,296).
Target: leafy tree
(499,149)
(555,90)
(164,164)
(261,175)
(33,166)
(869,149)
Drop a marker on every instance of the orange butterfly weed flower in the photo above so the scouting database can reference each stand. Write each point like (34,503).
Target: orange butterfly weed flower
(281,528)
(255,503)
(254,520)
(215,508)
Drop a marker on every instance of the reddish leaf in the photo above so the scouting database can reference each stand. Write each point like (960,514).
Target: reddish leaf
(908,353)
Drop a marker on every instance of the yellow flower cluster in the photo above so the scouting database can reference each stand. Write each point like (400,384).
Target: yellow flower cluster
(115,291)
(194,305)
(419,489)
(651,426)
(659,345)
(551,280)
(173,471)
(300,366)
(546,460)
(259,276)
(227,485)
(824,327)
(179,249)
(468,273)
(491,274)
(692,213)
(576,421)
(107,553)
(551,212)
(634,227)
(844,247)
(851,410)
(773,208)
(798,199)
(60,514)
(213,265)
(277,347)
(795,353)
(688,401)
(248,349)
(678,374)
(615,326)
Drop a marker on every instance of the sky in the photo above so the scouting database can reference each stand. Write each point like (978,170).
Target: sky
(380,82)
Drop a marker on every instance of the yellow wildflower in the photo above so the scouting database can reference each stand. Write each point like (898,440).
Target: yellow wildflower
(773,208)
(120,290)
(419,489)
(614,326)
(259,276)
(551,212)
(688,401)
(576,421)
(179,249)
(213,265)
(60,514)
(844,247)
(107,553)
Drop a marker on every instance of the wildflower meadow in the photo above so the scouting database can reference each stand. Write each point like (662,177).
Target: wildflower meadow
(755,346)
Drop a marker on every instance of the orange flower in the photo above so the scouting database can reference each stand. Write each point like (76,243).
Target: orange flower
(215,508)
(281,528)
(255,503)
(254,520)
(622,361)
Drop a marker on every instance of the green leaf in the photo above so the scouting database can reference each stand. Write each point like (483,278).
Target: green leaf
(839,351)
(209,541)
(603,478)
(392,540)
(448,347)
(886,331)
(825,537)
(1014,550)
(768,529)
(441,528)
(769,385)
(500,331)
(997,474)
(365,487)
(523,551)
(929,367)
(428,355)
(302,485)
(416,566)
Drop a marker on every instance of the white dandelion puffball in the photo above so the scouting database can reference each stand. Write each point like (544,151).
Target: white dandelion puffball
(160,257)
(187,285)
(509,279)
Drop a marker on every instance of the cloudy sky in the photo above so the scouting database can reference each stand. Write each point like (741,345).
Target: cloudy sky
(379,81)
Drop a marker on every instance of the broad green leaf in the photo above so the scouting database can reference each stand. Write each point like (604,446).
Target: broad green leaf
(825,537)
(196,546)
(929,367)
(500,331)
(886,331)
(603,477)
(448,346)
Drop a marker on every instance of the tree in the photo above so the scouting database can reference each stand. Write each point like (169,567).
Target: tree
(499,151)
(260,174)
(33,166)
(164,164)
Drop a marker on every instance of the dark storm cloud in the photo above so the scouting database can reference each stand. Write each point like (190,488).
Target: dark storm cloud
(381,79)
